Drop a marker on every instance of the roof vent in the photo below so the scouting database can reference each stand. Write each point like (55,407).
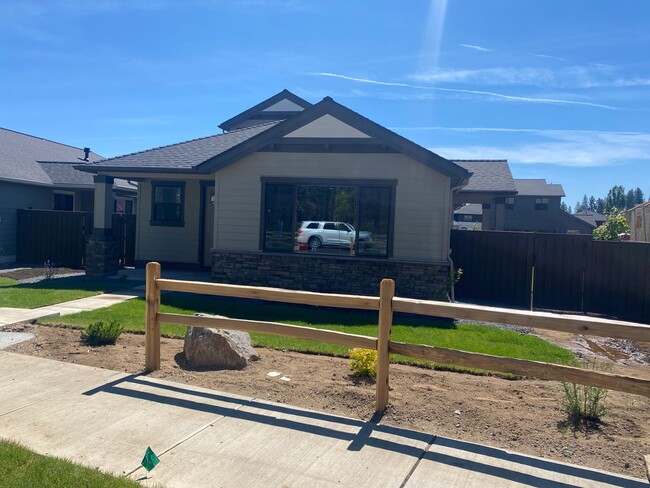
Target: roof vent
(86,153)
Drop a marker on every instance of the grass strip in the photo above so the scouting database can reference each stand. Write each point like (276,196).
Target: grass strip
(20,467)
(411,329)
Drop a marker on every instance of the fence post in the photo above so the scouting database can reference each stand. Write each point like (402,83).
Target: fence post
(152,326)
(386,293)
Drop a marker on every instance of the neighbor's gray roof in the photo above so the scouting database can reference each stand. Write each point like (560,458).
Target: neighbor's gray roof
(591,217)
(489,175)
(65,175)
(20,155)
(470,209)
(184,155)
(538,188)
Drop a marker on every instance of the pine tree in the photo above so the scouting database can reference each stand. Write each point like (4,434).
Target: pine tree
(629,198)
(592,203)
(638,196)
(564,207)
(578,208)
(600,206)
(585,203)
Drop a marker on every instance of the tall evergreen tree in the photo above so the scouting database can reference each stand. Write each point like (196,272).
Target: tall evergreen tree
(584,205)
(638,196)
(600,206)
(592,203)
(615,198)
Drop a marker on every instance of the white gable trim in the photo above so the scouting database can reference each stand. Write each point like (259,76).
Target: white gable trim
(327,126)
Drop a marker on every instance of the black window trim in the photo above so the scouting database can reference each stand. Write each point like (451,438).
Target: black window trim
(541,203)
(359,183)
(167,223)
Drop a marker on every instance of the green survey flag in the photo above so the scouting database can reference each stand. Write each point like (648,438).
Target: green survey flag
(149,460)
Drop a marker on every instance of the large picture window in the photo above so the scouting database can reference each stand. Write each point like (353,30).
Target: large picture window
(167,203)
(337,218)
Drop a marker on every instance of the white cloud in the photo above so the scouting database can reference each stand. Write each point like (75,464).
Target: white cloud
(478,93)
(477,48)
(561,147)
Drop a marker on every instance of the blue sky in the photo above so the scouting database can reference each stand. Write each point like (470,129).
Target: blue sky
(559,88)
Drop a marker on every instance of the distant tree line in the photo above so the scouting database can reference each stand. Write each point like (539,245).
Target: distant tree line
(617,198)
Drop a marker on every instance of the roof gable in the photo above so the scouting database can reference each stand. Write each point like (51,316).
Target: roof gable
(278,107)
(325,127)
(330,114)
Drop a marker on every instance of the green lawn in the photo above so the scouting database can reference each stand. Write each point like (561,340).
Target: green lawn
(20,467)
(48,292)
(417,330)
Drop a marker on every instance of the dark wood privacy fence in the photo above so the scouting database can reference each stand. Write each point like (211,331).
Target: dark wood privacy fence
(554,272)
(60,237)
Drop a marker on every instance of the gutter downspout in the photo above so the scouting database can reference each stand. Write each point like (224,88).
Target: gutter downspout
(451,296)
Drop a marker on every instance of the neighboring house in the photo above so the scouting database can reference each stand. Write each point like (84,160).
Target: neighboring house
(639,220)
(234,202)
(530,205)
(469,217)
(36,173)
(536,207)
(594,219)
(491,183)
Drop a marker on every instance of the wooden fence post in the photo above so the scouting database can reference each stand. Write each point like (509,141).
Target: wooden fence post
(386,293)
(152,326)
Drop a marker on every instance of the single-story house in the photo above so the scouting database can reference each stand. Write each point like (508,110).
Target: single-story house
(469,217)
(372,203)
(36,173)
(594,219)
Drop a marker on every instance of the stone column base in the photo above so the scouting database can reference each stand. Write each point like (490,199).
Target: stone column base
(102,257)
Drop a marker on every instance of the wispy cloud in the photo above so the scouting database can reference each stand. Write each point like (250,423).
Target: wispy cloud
(478,93)
(477,48)
(559,147)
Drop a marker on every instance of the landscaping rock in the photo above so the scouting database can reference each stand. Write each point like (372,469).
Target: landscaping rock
(218,348)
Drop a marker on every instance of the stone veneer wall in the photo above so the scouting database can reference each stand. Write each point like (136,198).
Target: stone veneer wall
(329,274)
(102,257)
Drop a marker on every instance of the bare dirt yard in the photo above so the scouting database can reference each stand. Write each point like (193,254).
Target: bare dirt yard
(518,415)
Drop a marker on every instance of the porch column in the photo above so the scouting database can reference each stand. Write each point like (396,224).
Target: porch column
(101,248)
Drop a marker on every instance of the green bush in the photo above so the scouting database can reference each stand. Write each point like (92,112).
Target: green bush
(582,402)
(100,333)
(363,362)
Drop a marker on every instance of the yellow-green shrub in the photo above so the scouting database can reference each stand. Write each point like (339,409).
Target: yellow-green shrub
(363,362)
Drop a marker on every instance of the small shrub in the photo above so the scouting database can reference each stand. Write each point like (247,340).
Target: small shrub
(48,269)
(363,362)
(123,277)
(582,402)
(100,333)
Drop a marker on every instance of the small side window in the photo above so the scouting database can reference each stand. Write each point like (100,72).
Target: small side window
(313,225)
(541,204)
(510,203)
(329,226)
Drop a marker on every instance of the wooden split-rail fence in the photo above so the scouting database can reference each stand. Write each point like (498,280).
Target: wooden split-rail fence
(386,304)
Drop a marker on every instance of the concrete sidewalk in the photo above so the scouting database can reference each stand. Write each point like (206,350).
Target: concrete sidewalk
(204,438)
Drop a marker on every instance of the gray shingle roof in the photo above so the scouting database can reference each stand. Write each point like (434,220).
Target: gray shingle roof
(593,218)
(65,175)
(538,188)
(20,155)
(184,155)
(470,209)
(489,175)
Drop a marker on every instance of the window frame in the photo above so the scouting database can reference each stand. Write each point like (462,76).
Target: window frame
(541,203)
(165,222)
(510,203)
(391,184)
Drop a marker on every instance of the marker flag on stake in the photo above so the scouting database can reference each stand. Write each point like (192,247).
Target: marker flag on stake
(150,460)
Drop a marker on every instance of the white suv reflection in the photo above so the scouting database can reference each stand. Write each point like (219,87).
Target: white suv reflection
(328,233)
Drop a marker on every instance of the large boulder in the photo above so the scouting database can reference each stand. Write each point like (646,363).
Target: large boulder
(218,348)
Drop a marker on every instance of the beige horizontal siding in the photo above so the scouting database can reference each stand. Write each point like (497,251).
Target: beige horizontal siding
(162,243)
(421,197)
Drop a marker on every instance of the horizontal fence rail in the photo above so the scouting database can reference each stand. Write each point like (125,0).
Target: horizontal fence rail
(387,304)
